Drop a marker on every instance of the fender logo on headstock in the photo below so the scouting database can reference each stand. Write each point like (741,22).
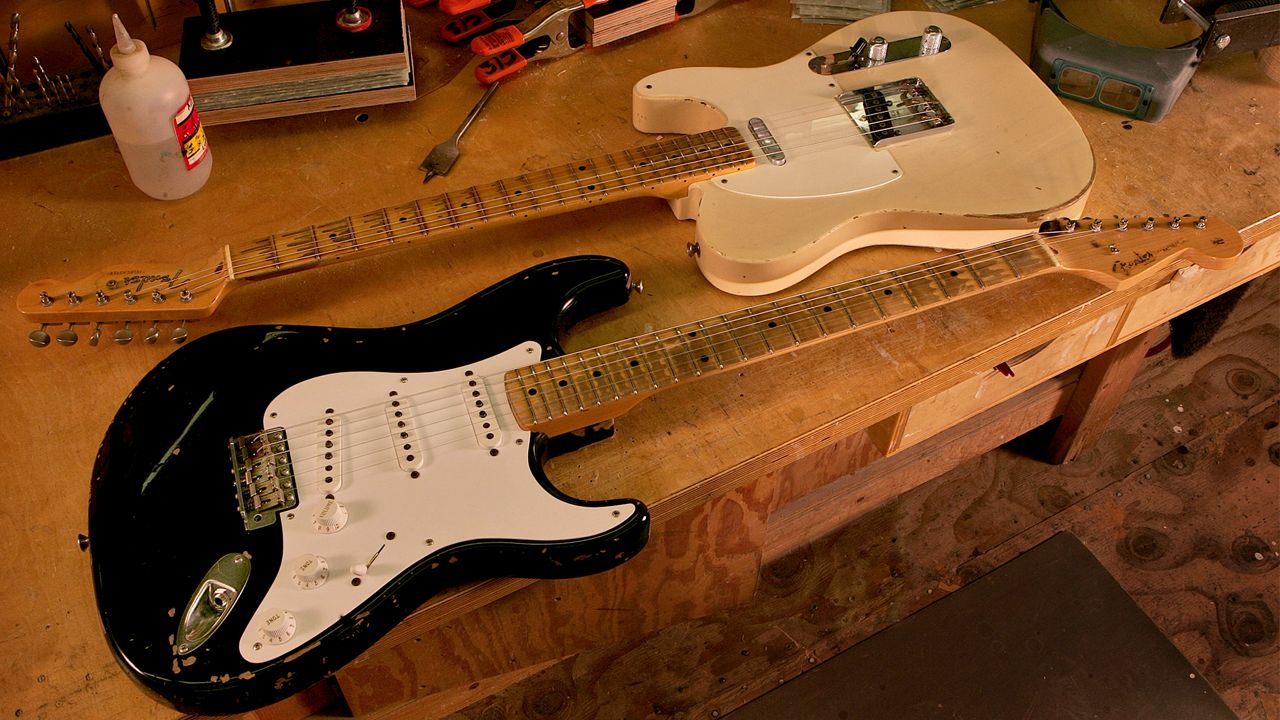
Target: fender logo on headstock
(1142,258)
(140,280)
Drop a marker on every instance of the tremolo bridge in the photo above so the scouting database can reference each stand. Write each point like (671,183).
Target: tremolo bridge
(264,477)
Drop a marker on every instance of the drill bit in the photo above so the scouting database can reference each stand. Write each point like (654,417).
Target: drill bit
(97,49)
(11,73)
(44,89)
(75,36)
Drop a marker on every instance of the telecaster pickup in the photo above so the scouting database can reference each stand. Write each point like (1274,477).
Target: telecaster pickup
(892,111)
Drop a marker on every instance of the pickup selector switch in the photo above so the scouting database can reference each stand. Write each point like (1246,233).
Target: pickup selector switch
(278,627)
(331,517)
(310,571)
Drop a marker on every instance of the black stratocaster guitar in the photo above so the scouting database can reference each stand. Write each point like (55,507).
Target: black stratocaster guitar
(270,500)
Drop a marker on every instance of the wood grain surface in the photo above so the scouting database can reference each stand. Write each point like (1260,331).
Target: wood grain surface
(69,211)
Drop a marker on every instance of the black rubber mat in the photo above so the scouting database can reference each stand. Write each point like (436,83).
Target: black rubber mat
(1048,635)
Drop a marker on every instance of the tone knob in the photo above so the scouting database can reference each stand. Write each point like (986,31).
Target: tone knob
(310,571)
(331,517)
(278,627)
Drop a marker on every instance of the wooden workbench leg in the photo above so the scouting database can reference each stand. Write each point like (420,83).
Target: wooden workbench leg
(1098,393)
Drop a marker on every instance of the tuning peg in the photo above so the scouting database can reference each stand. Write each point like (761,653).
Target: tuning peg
(101,297)
(39,338)
(96,334)
(1175,223)
(153,333)
(1096,225)
(157,297)
(179,334)
(129,297)
(1201,222)
(72,298)
(45,300)
(1123,225)
(67,337)
(123,336)
(1071,225)
(1149,224)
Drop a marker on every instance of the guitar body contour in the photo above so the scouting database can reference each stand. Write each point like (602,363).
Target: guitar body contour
(375,526)
(1013,157)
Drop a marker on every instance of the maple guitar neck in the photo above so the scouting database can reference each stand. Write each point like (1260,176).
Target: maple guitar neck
(664,169)
(577,390)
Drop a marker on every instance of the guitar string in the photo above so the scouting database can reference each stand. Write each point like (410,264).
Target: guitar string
(739,152)
(782,311)
(644,350)
(528,198)
(806,117)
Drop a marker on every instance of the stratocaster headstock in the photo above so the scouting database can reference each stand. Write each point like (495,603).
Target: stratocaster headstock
(121,299)
(1120,253)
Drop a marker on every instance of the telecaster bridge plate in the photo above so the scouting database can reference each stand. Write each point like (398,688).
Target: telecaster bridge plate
(892,111)
(264,477)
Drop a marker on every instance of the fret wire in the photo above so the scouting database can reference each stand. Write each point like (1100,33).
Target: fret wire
(506,197)
(910,295)
(551,373)
(844,305)
(539,392)
(422,219)
(554,184)
(606,375)
(937,279)
(386,223)
(733,333)
(597,182)
(351,233)
(790,328)
(1007,261)
(972,270)
(817,318)
(532,196)
(582,360)
(645,362)
(564,365)
(688,348)
(716,353)
(666,351)
(483,212)
(524,391)
(636,171)
(872,295)
(315,242)
(760,329)
(624,357)
(611,373)
(622,183)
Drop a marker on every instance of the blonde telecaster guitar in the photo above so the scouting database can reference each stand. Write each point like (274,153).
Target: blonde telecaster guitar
(885,132)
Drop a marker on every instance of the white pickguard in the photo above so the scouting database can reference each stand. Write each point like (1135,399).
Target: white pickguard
(465,491)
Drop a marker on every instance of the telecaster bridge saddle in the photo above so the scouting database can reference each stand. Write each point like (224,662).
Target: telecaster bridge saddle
(892,111)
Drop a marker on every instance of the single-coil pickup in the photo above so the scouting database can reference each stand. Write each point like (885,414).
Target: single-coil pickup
(484,422)
(329,442)
(405,439)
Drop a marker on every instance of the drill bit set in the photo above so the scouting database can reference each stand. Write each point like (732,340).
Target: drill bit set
(50,109)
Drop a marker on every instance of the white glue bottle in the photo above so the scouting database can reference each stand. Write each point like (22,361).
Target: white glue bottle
(148,105)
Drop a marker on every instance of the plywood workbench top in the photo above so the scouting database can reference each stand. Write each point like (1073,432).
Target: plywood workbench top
(67,212)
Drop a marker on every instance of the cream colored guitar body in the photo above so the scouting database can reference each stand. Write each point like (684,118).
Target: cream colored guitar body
(1013,156)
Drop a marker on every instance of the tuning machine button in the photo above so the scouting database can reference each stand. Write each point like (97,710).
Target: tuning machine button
(39,337)
(123,336)
(153,333)
(179,333)
(331,517)
(67,336)
(96,334)
(310,571)
(279,626)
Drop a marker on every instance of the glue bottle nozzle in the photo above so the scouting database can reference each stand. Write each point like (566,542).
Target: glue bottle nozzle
(123,41)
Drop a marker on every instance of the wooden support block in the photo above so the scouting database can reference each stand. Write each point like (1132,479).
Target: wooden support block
(1102,386)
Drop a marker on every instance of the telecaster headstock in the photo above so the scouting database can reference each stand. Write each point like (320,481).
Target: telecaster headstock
(1120,253)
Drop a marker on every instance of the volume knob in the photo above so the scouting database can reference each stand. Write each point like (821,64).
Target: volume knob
(331,517)
(278,627)
(310,571)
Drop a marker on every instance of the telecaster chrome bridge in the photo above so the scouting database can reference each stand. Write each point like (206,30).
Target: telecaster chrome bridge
(892,111)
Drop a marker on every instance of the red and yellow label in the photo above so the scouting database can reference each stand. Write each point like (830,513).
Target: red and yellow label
(186,125)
